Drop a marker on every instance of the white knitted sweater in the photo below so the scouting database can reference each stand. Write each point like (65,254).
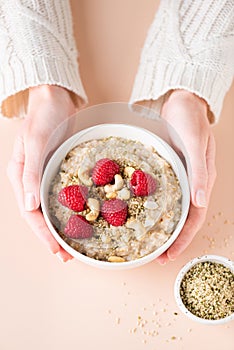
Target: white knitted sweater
(190,45)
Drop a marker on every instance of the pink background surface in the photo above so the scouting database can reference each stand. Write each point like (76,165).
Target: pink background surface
(46,304)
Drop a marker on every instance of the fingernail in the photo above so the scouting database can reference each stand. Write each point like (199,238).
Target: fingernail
(201,198)
(171,258)
(59,255)
(162,261)
(30,202)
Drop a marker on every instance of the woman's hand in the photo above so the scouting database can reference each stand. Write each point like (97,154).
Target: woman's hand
(187,114)
(48,107)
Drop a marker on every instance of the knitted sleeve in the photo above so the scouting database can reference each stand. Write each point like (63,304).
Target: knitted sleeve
(190,45)
(36,47)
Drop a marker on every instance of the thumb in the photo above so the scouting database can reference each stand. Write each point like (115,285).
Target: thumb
(32,172)
(198,177)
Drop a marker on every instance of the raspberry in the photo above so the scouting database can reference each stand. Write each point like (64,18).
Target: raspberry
(104,171)
(115,211)
(78,227)
(73,197)
(142,184)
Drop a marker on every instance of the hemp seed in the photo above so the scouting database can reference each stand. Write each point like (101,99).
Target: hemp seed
(207,290)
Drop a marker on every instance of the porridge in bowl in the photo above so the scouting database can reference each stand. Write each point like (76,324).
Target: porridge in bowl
(115,199)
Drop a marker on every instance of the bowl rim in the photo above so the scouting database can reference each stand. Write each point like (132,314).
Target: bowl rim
(105,264)
(211,258)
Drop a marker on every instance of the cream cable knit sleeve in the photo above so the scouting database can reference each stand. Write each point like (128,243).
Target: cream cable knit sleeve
(190,45)
(36,47)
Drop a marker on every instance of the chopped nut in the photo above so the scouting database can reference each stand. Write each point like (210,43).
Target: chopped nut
(118,185)
(83,175)
(128,171)
(124,194)
(94,206)
(111,195)
(91,216)
(108,188)
(118,182)
(116,259)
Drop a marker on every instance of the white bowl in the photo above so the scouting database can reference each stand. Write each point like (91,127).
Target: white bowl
(212,258)
(128,132)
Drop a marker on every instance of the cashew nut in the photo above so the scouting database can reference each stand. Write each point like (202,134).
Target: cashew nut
(108,188)
(111,195)
(128,171)
(119,183)
(116,259)
(83,174)
(94,206)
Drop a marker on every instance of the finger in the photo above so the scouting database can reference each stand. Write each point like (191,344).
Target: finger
(34,150)
(193,224)
(15,171)
(210,161)
(162,259)
(36,222)
(63,255)
(198,174)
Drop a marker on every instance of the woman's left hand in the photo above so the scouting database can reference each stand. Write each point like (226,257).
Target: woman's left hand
(187,114)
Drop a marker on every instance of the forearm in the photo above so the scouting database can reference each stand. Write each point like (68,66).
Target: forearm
(37,47)
(190,46)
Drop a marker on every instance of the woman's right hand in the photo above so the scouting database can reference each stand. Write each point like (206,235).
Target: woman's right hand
(48,107)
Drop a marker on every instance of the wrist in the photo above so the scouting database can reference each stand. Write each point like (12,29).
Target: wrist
(47,91)
(52,94)
(178,101)
(187,97)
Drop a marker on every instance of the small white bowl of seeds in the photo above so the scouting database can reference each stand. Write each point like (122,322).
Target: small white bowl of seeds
(204,289)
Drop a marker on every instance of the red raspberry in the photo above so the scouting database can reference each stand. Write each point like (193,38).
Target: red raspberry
(73,197)
(115,211)
(142,184)
(104,171)
(78,227)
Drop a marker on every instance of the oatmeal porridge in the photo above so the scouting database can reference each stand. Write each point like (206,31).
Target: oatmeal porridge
(114,199)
